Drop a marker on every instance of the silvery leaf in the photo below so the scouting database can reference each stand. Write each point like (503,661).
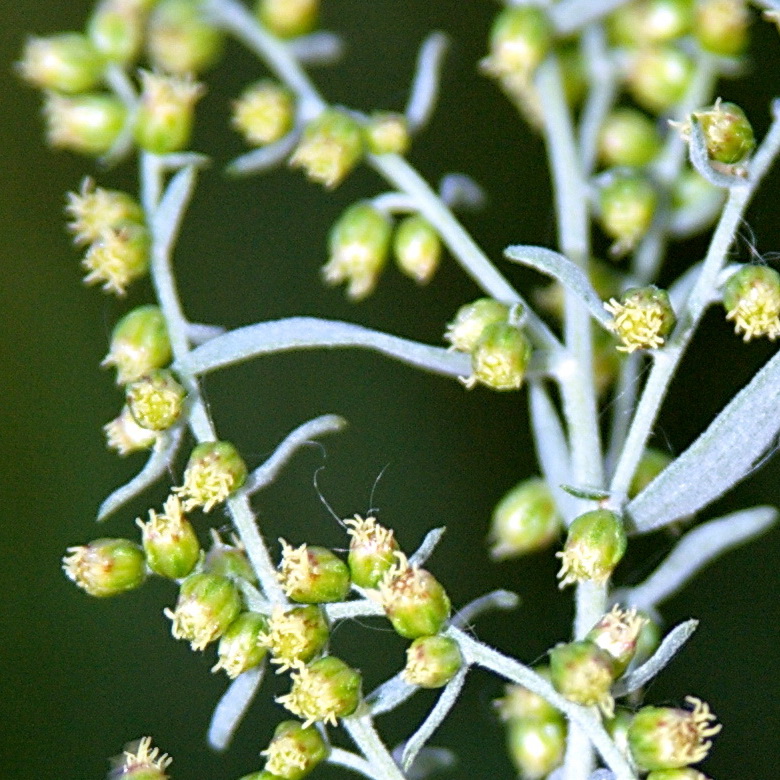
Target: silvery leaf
(232,707)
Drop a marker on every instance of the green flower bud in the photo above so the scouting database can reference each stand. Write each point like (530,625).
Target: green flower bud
(645,22)
(432,661)
(179,38)
(651,464)
(206,606)
(106,567)
(627,203)
(751,297)
(165,112)
(125,435)
(417,248)
(229,560)
(617,727)
(332,145)
(359,245)
(372,549)
(214,471)
(94,211)
(239,649)
(155,400)
(524,520)
(671,738)
(584,673)
(67,62)
(520,38)
(693,194)
(500,358)
(387,133)
(324,690)
(594,546)
(721,26)
(140,761)
(294,636)
(139,344)
(294,751)
(470,321)
(170,542)
(313,575)
(642,318)
(116,28)
(618,633)
(413,600)
(264,775)
(288,18)
(676,774)
(727,132)
(264,113)
(628,137)
(88,124)
(659,77)
(118,257)
(519,703)
(649,639)
(536,747)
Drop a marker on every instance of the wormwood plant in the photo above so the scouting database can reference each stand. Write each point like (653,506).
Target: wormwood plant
(638,144)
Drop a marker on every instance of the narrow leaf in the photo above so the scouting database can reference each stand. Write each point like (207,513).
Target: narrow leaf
(425,85)
(157,465)
(425,550)
(721,457)
(497,599)
(232,707)
(435,717)
(429,761)
(312,333)
(671,645)
(264,158)
(169,213)
(562,270)
(349,760)
(589,494)
(390,694)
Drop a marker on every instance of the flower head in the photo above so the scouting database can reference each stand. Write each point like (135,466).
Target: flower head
(142,761)
(751,297)
(642,318)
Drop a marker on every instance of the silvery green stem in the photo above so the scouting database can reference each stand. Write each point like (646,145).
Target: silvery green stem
(350,760)
(360,728)
(570,15)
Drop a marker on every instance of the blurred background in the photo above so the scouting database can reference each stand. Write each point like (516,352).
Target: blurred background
(80,677)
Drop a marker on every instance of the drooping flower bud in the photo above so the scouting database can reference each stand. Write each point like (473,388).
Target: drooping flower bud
(627,202)
(470,321)
(169,540)
(229,560)
(288,18)
(387,133)
(214,471)
(432,661)
(520,38)
(644,22)
(324,690)
(500,357)
(67,62)
(88,124)
(618,633)
(359,245)
(94,210)
(372,549)
(332,145)
(294,635)
(116,28)
(125,435)
(118,257)
(721,26)
(106,567)
(140,761)
(650,465)
(414,601)
(313,575)
(584,673)
(524,520)
(166,112)
(264,113)
(659,77)
(628,138)
(727,132)
(595,544)
(139,344)
(239,649)
(536,747)
(155,400)
(520,703)
(206,606)
(294,751)
(751,297)
(672,738)
(417,248)
(642,318)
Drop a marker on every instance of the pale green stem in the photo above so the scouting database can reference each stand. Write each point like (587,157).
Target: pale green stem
(361,729)
(570,15)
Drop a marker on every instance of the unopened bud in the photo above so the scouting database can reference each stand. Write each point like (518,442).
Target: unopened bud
(520,38)
(294,751)
(67,62)
(627,203)
(500,357)
(294,635)
(751,297)
(659,76)
(88,124)
(644,22)
(288,18)
(595,544)
(628,137)
(106,567)
(432,661)
(727,132)
(536,747)
(139,344)
(155,400)
(118,257)
(520,703)
(94,210)
(169,540)
(229,560)
(313,575)
(584,673)
(676,774)
(387,133)
(470,321)
(642,318)
(417,248)
(214,471)
(264,113)
(372,549)
(721,26)
(239,649)
(116,28)
(650,465)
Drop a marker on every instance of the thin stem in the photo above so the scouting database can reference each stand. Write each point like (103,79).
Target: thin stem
(570,15)
(349,760)
(361,729)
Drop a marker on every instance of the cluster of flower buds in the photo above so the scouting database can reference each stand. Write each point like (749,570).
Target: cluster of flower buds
(499,349)
(535,731)
(361,241)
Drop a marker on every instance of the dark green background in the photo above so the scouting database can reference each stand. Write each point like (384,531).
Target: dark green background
(81,677)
